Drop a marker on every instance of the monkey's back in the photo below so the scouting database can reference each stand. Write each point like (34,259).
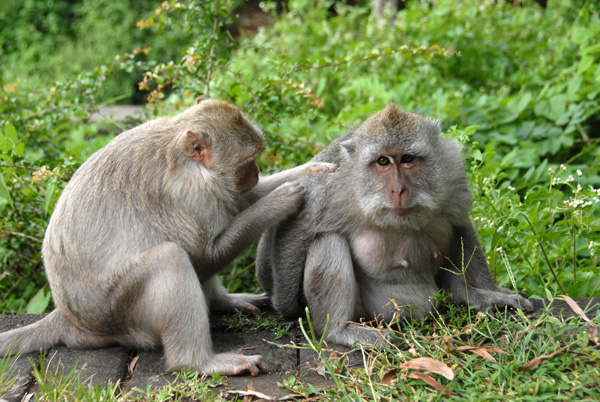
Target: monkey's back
(104,217)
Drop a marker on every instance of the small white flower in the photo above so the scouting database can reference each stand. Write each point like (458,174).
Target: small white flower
(501,229)
(563,167)
(579,173)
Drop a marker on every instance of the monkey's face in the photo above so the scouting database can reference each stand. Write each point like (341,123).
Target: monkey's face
(399,174)
(247,175)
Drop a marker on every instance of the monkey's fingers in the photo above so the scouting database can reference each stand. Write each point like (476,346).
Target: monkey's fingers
(320,167)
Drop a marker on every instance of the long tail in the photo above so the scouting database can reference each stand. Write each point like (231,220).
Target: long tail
(54,329)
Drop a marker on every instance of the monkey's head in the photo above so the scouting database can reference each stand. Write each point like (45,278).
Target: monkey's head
(222,142)
(401,167)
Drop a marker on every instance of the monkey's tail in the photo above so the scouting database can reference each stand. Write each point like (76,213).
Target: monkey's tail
(51,330)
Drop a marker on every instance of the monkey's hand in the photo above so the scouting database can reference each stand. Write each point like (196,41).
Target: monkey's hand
(288,196)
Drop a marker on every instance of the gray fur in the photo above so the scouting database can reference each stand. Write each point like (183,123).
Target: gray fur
(344,253)
(140,231)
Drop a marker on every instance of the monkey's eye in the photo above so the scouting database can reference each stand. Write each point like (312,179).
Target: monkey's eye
(407,159)
(383,161)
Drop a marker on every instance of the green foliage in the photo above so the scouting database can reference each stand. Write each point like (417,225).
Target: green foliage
(524,81)
(44,42)
(56,385)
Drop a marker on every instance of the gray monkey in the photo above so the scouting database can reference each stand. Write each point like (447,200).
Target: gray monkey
(391,223)
(138,235)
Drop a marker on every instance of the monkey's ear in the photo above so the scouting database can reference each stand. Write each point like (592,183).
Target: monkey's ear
(348,147)
(197,147)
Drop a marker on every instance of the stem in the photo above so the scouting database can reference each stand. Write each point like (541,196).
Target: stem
(537,238)
(18,167)
(20,235)
(211,55)
(572,232)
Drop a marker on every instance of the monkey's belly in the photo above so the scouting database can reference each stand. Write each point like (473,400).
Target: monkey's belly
(397,258)
(384,301)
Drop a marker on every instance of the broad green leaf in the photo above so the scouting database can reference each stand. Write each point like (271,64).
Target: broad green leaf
(4,193)
(50,189)
(39,303)
(11,132)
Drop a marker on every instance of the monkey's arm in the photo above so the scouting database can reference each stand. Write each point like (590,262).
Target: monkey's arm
(266,184)
(480,290)
(247,226)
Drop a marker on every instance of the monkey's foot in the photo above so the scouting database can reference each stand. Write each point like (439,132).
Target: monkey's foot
(247,302)
(350,334)
(501,297)
(233,364)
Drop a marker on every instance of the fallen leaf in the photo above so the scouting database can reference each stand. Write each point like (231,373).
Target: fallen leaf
(252,393)
(431,365)
(594,334)
(431,381)
(249,398)
(575,307)
(483,351)
(389,377)
(132,363)
(538,360)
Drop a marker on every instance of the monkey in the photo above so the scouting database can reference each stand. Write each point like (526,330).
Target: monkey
(139,233)
(380,236)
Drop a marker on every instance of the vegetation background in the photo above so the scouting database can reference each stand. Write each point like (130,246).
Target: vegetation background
(517,84)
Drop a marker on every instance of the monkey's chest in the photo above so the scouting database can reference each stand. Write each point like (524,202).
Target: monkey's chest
(396,257)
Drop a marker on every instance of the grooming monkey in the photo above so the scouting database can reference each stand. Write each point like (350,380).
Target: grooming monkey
(392,223)
(138,235)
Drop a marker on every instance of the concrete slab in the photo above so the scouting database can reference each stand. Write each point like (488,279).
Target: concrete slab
(95,367)
(19,366)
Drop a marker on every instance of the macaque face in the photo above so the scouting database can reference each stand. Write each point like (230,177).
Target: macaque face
(247,175)
(395,169)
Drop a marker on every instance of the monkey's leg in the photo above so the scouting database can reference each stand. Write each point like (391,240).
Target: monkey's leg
(222,301)
(264,270)
(330,288)
(171,309)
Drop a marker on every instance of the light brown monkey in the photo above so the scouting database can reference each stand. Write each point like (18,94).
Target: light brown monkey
(381,228)
(141,230)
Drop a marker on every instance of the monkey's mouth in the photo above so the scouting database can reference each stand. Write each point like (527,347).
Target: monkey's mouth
(400,211)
